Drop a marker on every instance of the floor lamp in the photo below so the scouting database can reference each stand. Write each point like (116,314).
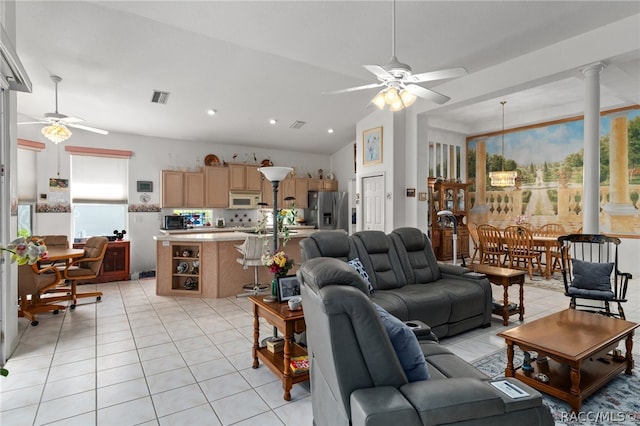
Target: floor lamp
(275,175)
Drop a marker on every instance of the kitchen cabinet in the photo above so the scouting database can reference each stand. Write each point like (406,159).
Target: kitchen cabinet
(216,186)
(182,189)
(244,177)
(323,185)
(289,187)
(452,196)
(115,265)
(185,263)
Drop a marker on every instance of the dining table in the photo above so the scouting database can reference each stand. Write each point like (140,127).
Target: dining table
(57,254)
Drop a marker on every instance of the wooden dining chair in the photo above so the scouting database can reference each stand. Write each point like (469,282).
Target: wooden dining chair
(492,247)
(477,248)
(84,268)
(520,249)
(553,230)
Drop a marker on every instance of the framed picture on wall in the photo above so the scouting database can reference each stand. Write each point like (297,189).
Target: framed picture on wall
(372,146)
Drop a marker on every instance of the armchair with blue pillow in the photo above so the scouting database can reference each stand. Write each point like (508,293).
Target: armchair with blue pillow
(367,368)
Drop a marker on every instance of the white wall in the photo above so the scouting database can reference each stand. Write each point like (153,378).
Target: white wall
(150,156)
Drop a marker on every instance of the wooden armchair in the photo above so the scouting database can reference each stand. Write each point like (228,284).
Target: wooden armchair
(84,268)
(590,273)
(477,248)
(32,279)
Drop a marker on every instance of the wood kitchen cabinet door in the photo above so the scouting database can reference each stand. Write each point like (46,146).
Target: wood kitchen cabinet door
(253,178)
(172,187)
(217,187)
(237,177)
(193,189)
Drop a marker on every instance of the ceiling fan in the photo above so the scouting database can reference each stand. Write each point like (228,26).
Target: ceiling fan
(56,129)
(401,89)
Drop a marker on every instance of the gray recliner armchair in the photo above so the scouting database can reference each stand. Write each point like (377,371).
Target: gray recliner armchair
(357,379)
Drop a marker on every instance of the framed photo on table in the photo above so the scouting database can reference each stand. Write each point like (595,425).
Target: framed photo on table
(288,287)
(372,146)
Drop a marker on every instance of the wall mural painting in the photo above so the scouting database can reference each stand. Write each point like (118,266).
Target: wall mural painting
(549,161)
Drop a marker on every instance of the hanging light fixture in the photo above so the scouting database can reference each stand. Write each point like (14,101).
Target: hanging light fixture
(56,132)
(503,179)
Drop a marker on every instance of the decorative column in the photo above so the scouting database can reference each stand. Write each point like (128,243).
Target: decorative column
(619,213)
(479,213)
(591,164)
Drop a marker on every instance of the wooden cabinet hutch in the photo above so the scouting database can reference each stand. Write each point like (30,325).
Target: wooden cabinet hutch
(453,196)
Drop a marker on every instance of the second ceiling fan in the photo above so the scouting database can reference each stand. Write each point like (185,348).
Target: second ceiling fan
(401,88)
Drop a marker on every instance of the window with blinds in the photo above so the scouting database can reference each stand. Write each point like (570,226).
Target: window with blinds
(99,194)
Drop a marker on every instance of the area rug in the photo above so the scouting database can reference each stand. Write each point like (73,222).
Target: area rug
(616,403)
(554,283)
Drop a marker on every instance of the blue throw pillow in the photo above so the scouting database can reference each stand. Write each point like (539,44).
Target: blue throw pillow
(591,276)
(359,267)
(406,346)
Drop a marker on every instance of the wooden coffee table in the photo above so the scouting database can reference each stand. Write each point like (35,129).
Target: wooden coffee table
(288,322)
(504,277)
(578,346)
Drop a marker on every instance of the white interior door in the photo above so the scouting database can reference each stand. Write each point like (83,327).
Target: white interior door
(373,203)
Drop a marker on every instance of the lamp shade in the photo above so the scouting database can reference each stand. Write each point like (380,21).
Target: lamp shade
(275,173)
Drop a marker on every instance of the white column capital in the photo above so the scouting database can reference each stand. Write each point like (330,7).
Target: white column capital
(591,69)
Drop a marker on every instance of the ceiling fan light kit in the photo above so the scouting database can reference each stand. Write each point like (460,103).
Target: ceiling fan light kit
(56,133)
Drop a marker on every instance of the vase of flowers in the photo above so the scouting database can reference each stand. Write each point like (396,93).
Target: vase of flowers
(279,265)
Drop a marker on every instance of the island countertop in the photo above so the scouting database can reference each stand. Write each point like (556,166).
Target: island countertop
(225,236)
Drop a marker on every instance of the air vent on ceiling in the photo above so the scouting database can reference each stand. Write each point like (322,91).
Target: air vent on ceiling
(159,97)
(297,124)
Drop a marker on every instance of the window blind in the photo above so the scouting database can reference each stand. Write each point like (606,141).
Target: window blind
(99,179)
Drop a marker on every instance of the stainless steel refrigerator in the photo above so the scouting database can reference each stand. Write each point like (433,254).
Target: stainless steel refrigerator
(328,210)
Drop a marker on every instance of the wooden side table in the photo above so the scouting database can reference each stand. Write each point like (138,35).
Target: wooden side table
(288,322)
(504,277)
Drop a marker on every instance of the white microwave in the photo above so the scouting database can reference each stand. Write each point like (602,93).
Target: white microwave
(244,200)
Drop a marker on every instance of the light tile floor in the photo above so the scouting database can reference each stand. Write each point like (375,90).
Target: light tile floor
(135,358)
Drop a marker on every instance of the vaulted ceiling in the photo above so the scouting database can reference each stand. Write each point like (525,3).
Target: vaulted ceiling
(253,61)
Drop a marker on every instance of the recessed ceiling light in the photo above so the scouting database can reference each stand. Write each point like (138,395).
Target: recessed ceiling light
(211,112)
(273,121)
(330,131)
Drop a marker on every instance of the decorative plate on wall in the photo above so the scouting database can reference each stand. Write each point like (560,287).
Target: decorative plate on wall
(211,160)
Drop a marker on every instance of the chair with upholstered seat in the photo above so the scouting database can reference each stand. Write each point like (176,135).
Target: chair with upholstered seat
(590,273)
(32,279)
(252,250)
(86,267)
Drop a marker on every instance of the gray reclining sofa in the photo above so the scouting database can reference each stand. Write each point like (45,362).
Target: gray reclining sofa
(357,378)
(408,281)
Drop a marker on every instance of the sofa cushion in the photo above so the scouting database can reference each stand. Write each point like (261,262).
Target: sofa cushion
(406,345)
(327,244)
(326,271)
(359,268)
(380,259)
(591,275)
(418,261)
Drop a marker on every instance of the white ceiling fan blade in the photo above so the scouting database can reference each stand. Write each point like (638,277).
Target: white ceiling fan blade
(427,94)
(34,122)
(354,89)
(436,75)
(379,72)
(73,120)
(87,128)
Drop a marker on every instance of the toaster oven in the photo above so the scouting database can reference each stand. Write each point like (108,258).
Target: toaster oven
(174,222)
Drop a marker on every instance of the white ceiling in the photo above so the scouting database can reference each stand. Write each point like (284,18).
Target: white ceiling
(252,61)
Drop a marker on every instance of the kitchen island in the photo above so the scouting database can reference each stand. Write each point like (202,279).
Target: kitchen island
(203,264)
